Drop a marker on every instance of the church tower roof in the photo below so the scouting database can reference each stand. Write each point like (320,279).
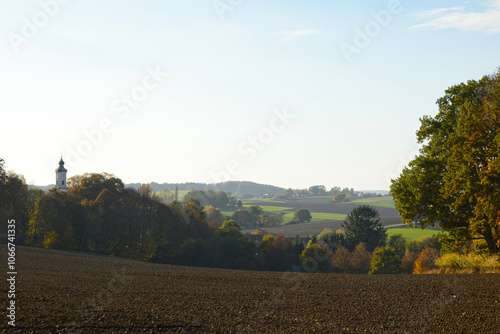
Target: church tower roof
(61,166)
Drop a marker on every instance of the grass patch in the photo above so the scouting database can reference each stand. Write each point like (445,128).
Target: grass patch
(258,200)
(319,216)
(384,202)
(411,233)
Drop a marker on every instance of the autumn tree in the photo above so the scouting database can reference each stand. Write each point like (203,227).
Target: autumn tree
(426,261)
(341,260)
(214,214)
(361,260)
(339,198)
(386,261)
(363,225)
(15,204)
(315,258)
(455,180)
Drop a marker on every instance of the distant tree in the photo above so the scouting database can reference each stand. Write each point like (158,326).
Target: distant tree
(275,253)
(315,259)
(243,218)
(334,191)
(89,186)
(283,253)
(239,204)
(341,260)
(274,220)
(288,193)
(361,260)
(176,193)
(259,231)
(386,261)
(221,199)
(398,243)
(255,211)
(302,216)
(298,248)
(317,190)
(147,191)
(234,249)
(15,204)
(409,262)
(334,240)
(363,225)
(339,198)
(214,214)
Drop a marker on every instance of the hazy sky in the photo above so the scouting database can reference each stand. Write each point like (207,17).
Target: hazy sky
(290,93)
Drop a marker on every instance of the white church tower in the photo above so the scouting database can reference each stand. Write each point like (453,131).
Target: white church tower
(61,177)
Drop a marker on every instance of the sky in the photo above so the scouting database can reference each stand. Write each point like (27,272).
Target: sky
(290,93)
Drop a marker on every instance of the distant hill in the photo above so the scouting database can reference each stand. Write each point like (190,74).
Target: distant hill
(44,188)
(237,188)
(381,192)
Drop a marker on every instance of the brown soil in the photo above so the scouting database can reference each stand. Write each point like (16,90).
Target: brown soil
(63,292)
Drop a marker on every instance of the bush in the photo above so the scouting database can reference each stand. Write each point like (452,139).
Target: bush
(425,261)
(386,261)
(453,262)
(409,262)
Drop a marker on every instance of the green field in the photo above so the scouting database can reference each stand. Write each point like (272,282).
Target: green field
(252,201)
(318,216)
(412,233)
(384,202)
(288,212)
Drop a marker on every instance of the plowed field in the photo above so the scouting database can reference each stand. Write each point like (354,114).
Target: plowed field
(63,292)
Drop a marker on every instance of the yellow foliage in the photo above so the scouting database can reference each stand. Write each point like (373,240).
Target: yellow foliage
(468,263)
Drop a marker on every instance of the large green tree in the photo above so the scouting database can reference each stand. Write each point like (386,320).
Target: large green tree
(455,180)
(363,225)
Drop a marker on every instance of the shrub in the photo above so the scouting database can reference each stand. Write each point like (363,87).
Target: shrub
(425,261)
(453,262)
(386,261)
(409,261)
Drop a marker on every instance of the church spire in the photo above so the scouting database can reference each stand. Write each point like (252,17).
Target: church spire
(61,176)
